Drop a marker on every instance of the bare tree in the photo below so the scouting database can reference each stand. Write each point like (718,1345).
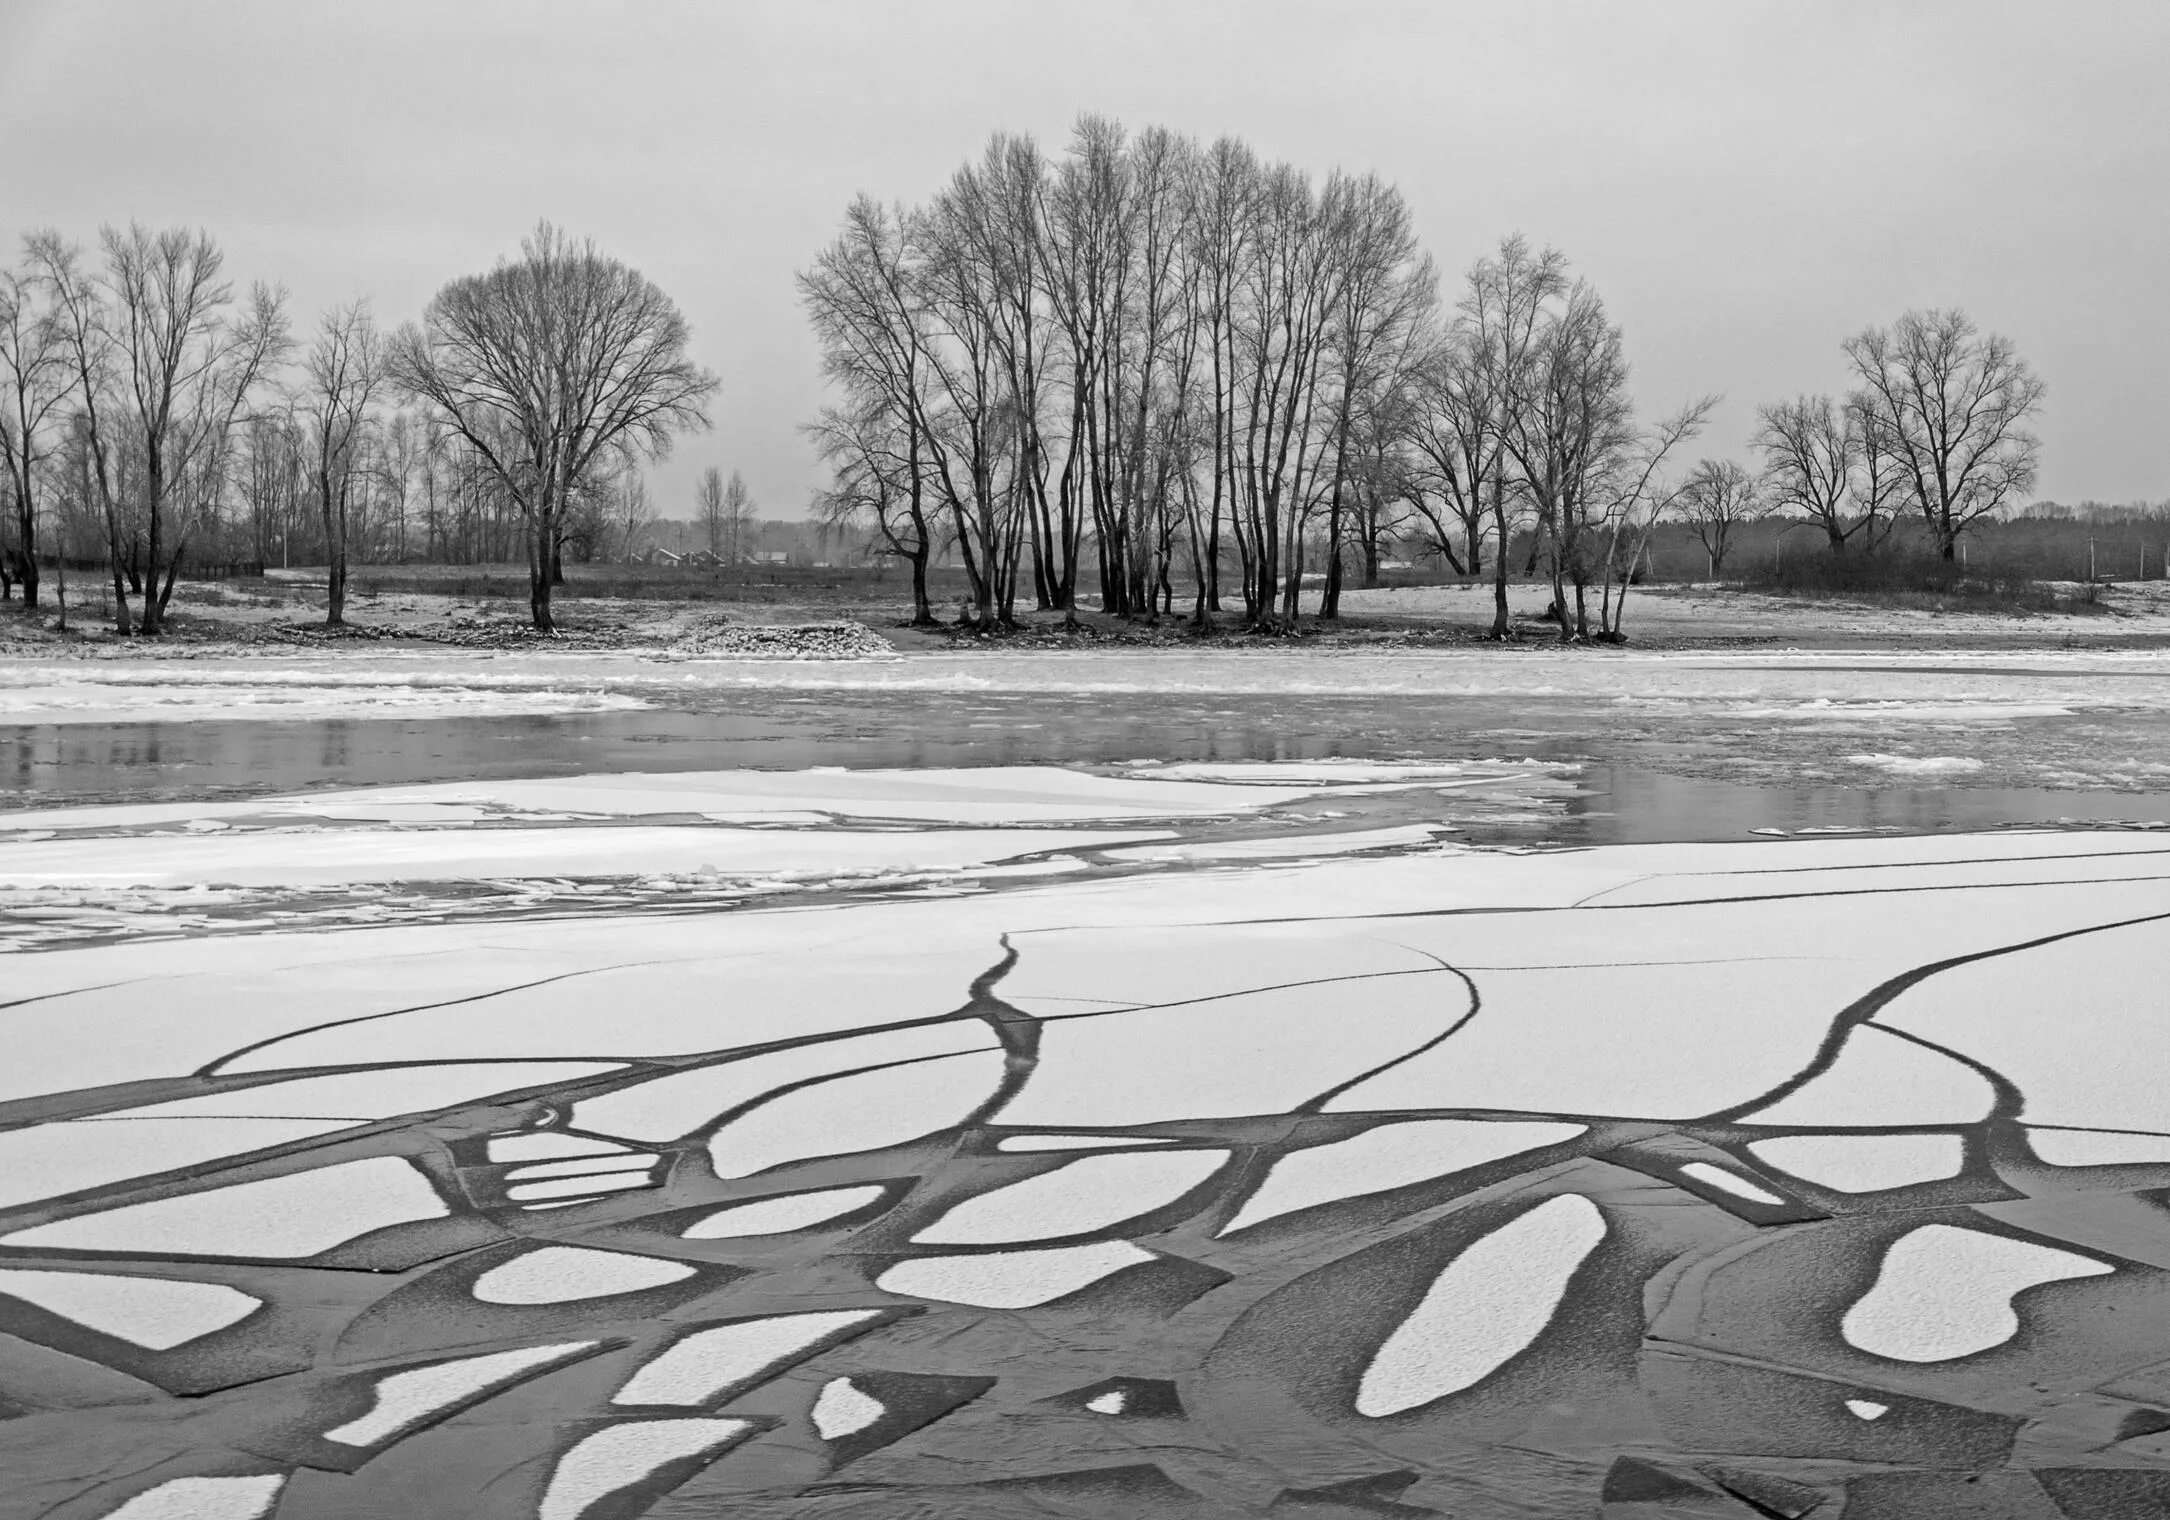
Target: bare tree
(544,364)
(873,487)
(1570,426)
(1954,405)
(708,509)
(185,363)
(1454,452)
(344,370)
(1641,496)
(633,518)
(1386,291)
(400,452)
(34,372)
(1716,499)
(79,312)
(1503,317)
(736,518)
(1832,462)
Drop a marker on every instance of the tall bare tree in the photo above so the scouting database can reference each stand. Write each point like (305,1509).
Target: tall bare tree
(737,520)
(1954,404)
(545,363)
(186,361)
(1570,425)
(708,509)
(1385,291)
(79,313)
(874,487)
(1454,452)
(1640,496)
(632,517)
(1502,317)
(34,373)
(862,298)
(344,370)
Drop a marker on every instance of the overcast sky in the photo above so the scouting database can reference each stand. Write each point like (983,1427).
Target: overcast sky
(1745,183)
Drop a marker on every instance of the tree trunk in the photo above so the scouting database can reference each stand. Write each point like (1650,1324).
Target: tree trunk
(115,563)
(1501,627)
(150,624)
(539,550)
(335,555)
(922,608)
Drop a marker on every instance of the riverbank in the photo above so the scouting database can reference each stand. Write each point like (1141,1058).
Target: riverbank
(285,612)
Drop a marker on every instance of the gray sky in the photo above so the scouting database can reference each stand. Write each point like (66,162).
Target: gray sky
(1746,183)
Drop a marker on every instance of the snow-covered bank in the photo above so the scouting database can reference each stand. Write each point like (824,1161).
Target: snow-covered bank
(1794,685)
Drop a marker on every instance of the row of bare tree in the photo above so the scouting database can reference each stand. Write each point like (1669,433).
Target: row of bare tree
(412,489)
(1142,354)
(1936,427)
(144,394)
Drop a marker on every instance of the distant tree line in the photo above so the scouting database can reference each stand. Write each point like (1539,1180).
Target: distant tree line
(1142,369)
(151,412)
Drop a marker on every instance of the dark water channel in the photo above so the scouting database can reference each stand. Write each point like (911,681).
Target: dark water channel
(1635,789)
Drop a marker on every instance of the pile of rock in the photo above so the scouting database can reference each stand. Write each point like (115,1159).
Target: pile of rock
(802,641)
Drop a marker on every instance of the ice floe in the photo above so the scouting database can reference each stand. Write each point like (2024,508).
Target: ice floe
(53,1160)
(244,1498)
(1076,1198)
(2024,1011)
(840,1410)
(2083,1147)
(619,1457)
(666,1107)
(404,1400)
(780,1215)
(1253,1053)
(299,1214)
(564,1274)
(860,1111)
(1011,1279)
(156,1313)
(329,859)
(1864,1163)
(1943,1292)
(1729,1182)
(1484,1308)
(1388,1156)
(1880,1079)
(705,1365)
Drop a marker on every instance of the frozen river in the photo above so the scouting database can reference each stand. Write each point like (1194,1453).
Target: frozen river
(813,1102)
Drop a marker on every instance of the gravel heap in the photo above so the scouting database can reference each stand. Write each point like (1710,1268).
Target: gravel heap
(803,641)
